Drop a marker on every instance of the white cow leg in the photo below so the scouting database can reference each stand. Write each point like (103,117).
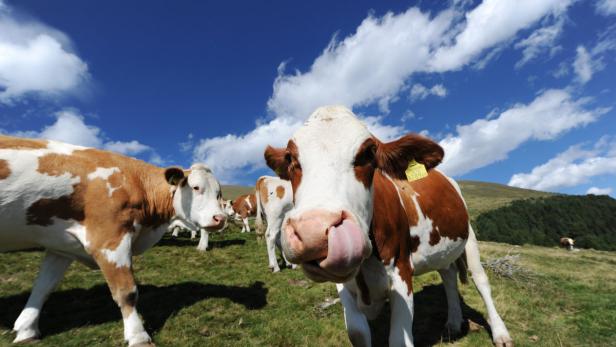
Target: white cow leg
(499,330)
(401,302)
(454,310)
(51,272)
(193,234)
(355,321)
(204,240)
(176,232)
(270,240)
(246,225)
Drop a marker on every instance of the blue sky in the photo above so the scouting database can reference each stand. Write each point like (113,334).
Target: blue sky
(518,92)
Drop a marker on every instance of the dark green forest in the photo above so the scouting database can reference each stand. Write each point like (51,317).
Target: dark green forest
(590,220)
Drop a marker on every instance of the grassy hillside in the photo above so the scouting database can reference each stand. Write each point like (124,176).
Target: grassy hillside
(228,297)
(485,196)
(232,192)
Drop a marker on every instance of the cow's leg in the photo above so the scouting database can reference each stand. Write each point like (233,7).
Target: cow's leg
(52,271)
(246,225)
(454,311)
(204,240)
(499,331)
(176,232)
(193,234)
(116,265)
(401,302)
(270,240)
(355,321)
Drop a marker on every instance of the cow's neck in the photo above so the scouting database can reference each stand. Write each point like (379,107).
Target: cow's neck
(158,208)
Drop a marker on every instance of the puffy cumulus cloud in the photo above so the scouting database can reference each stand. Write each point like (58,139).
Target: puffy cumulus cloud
(420,92)
(486,141)
(599,191)
(35,59)
(372,66)
(540,41)
(606,7)
(70,127)
(572,167)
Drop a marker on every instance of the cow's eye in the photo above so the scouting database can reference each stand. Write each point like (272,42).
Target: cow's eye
(196,187)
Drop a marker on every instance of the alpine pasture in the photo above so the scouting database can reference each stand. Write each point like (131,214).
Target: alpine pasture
(228,297)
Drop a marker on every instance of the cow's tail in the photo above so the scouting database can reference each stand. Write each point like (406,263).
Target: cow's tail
(462,268)
(259,218)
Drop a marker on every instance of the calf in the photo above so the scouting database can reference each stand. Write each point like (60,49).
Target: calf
(567,243)
(274,199)
(244,206)
(369,216)
(98,208)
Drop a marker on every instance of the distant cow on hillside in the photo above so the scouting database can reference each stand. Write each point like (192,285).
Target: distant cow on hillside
(567,243)
(274,199)
(96,207)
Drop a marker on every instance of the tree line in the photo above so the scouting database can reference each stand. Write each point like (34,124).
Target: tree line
(590,220)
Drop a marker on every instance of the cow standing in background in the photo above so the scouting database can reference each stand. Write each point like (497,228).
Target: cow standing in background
(244,206)
(567,243)
(96,207)
(370,215)
(274,199)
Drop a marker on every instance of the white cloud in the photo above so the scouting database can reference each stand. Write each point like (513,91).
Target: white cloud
(491,23)
(70,127)
(35,59)
(486,141)
(420,92)
(540,41)
(588,62)
(372,66)
(583,65)
(599,191)
(606,7)
(570,168)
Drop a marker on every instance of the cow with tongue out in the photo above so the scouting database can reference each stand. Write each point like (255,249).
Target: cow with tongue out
(370,215)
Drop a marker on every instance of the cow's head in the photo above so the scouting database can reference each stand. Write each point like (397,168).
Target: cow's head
(330,162)
(227,208)
(197,196)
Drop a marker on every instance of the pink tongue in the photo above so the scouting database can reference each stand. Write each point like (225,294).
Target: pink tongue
(345,247)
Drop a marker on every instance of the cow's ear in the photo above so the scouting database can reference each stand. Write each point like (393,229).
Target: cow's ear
(394,157)
(275,159)
(174,175)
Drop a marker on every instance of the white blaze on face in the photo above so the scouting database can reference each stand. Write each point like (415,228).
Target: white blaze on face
(327,145)
(198,199)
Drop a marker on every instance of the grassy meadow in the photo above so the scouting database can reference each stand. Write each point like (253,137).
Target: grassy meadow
(228,297)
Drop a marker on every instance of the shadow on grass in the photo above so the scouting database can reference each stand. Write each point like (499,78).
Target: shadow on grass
(429,320)
(181,242)
(75,308)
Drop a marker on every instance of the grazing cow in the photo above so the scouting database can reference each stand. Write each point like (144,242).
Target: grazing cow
(567,243)
(98,208)
(178,225)
(370,215)
(274,199)
(243,207)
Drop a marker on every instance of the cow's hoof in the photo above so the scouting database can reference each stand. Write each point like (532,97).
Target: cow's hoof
(274,269)
(26,336)
(503,341)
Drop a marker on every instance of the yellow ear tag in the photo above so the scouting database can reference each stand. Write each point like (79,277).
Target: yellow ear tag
(415,171)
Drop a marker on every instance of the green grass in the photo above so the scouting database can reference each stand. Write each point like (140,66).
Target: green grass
(228,297)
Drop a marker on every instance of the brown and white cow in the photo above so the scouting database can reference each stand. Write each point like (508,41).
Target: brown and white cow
(567,243)
(98,208)
(274,199)
(357,221)
(243,206)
